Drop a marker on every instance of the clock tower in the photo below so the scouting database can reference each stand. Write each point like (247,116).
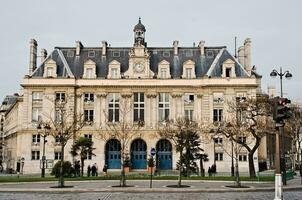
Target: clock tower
(139,64)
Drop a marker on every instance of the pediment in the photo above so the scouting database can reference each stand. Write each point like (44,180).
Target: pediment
(229,61)
(114,62)
(89,62)
(163,62)
(189,62)
(50,61)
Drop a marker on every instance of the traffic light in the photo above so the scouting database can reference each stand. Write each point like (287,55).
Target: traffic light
(281,111)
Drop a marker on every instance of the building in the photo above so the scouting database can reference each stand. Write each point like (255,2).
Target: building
(161,83)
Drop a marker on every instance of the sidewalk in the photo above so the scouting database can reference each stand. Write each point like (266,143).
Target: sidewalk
(143,186)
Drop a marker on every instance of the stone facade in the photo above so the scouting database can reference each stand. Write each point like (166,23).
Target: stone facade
(196,82)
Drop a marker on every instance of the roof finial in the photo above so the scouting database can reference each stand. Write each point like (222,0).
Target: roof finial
(139,20)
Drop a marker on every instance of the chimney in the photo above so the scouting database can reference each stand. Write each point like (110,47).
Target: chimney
(201,46)
(104,48)
(32,56)
(175,45)
(78,47)
(43,55)
(241,55)
(247,55)
(271,90)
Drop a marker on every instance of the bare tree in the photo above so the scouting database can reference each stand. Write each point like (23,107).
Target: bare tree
(236,134)
(65,125)
(124,130)
(254,115)
(293,129)
(179,131)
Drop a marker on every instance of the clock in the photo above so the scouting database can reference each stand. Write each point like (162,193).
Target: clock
(139,67)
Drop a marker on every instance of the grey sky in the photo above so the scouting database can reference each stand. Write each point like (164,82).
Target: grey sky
(274,26)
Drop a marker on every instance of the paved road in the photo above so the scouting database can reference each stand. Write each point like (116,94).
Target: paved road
(292,195)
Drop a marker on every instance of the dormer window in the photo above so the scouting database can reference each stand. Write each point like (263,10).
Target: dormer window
(164,69)
(114,70)
(50,68)
(89,69)
(189,69)
(228,69)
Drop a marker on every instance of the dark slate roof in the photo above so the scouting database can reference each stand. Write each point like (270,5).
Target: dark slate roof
(224,55)
(75,64)
(139,26)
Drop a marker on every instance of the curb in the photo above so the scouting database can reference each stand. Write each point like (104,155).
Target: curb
(145,190)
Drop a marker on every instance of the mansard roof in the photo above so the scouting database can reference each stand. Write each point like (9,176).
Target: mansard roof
(209,64)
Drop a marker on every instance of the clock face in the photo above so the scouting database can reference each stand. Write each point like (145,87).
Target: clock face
(139,67)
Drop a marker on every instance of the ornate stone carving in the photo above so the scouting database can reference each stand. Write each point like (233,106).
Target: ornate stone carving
(126,95)
(176,95)
(101,95)
(151,95)
(199,96)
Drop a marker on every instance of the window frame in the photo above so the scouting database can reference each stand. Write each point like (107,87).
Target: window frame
(138,106)
(163,106)
(114,107)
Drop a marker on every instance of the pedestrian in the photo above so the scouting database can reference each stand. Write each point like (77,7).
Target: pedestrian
(77,167)
(105,169)
(93,170)
(210,171)
(96,169)
(88,171)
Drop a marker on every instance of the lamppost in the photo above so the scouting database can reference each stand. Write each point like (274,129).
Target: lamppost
(287,75)
(278,185)
(44,134)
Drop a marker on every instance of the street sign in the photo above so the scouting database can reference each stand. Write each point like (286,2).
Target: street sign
(153,151)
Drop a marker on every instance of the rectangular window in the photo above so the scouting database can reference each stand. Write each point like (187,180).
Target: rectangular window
(242,139)
(139,106)
(113,107)
(242,157)
(89,156)
(218,156)
(89,136)
(114,73)
(36,114)
(189,114)
(228,72)
(88,97)
(89,73)
(35,155)
(37,96)
(88,115)
(217,115)
(163,73)
(60,96)
(166,54)
(188,72)
(58,155)
(36,138)
(218,140)
(91,54)
(49,72)
(70,53)
(163,107)
(188,98)
(58,116)
(57,139)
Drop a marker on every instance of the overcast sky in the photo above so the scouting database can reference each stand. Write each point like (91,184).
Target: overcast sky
(275,27)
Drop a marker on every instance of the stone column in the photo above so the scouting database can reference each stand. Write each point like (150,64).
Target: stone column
(176,105)
(152,110)
(198,108)
(101,105)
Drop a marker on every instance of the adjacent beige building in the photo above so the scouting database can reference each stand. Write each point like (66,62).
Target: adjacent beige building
(160,82)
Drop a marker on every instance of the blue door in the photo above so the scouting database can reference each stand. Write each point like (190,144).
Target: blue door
(113,154)
(138,154)
(164,155)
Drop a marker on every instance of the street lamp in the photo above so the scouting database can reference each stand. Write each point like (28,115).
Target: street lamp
(278,190)
(44,134)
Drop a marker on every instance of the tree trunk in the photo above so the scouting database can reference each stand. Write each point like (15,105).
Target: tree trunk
(238,184)
(82,166)
(201,168)
(180,168)
(123,176)
(61,178)
(251,165)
